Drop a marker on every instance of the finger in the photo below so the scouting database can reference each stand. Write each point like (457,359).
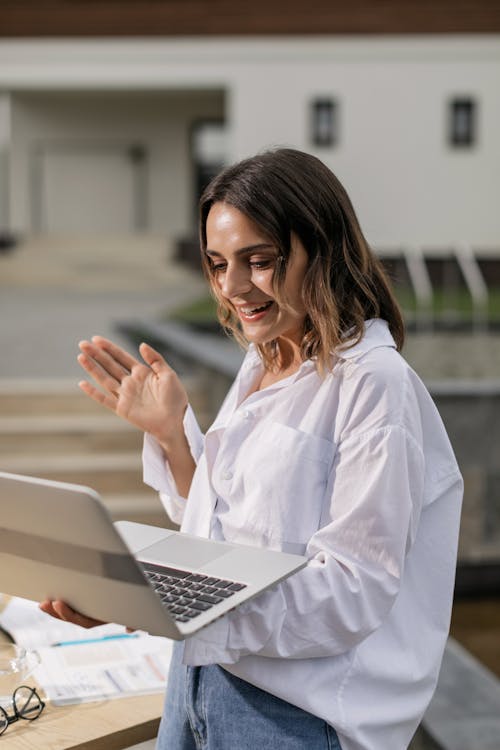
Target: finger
(103,378)
(105,361)
(68,614)
(110,401)
(46,606)
(126,360)
(153,358)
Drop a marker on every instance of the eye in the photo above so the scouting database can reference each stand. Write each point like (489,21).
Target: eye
(217,267)
(262,264)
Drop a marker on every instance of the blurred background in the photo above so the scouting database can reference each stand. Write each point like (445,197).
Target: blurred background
(113,117)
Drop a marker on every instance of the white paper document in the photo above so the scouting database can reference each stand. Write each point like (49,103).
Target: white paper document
(103,670)
(79,664)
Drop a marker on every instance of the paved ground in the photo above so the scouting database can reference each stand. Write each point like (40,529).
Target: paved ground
(55,292)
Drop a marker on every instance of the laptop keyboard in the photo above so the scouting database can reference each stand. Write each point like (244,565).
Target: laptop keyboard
(186,595)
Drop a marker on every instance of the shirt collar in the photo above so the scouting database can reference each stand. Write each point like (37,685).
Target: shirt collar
(376,334)
(253,360)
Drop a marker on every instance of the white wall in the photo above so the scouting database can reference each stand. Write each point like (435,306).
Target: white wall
(407,185)
(159,121)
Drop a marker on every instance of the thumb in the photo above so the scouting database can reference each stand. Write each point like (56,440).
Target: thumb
(153,358)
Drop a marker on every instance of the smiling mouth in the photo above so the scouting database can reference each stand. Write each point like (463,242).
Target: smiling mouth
(248,312)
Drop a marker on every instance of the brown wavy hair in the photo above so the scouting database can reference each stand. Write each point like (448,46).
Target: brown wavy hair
(287,192)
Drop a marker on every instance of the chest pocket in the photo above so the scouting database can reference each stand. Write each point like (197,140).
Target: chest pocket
(282,484)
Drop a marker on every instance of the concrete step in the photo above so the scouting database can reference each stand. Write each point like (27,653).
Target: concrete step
(141,508)
(67,434)
(106,473)
(53,397)
(45,397)
(62,434)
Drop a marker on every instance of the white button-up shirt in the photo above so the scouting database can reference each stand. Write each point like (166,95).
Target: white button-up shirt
(354,470)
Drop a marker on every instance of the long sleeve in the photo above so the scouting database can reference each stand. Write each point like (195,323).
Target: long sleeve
(156,470)
(356,561)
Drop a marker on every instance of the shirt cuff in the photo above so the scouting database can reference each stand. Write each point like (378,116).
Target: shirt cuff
(210,646)
(194,435)
(157,474)
(246,630)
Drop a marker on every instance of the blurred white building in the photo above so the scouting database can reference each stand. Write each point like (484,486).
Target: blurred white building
(117,134)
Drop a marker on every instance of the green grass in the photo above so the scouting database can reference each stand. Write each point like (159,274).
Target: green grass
(202,310)
(456,305)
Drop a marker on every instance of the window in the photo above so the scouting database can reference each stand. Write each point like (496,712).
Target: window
(324,122)
(462,122)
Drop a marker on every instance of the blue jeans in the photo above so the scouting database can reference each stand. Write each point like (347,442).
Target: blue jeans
(207,708)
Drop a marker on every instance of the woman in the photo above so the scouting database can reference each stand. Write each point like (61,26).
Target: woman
(327,445)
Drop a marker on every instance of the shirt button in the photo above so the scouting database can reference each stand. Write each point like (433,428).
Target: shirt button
(247,414)
(227,475)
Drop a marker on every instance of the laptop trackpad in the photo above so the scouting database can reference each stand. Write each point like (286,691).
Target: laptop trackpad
(184,552)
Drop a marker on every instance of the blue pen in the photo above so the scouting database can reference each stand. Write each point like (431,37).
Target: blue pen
(116,637)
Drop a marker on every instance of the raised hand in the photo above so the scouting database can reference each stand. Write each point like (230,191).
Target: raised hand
(147,394)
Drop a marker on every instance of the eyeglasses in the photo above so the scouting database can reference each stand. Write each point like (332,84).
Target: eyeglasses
(27,705)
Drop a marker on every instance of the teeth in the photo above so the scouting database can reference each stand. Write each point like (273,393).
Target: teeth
(254,310)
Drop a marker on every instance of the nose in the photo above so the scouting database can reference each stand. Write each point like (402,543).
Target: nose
(235,281)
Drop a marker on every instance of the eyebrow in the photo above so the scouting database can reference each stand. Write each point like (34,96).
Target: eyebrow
(242,250)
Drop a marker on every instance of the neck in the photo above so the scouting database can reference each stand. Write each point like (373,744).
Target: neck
(288,359)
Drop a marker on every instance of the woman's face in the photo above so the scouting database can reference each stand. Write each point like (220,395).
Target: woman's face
(243,261)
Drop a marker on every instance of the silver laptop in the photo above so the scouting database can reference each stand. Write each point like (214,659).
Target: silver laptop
(57,541)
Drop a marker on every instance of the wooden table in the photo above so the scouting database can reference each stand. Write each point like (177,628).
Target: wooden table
(101,725)
(107,725)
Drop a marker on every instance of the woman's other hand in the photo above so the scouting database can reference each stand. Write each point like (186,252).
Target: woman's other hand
(63,611)
(147,394)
